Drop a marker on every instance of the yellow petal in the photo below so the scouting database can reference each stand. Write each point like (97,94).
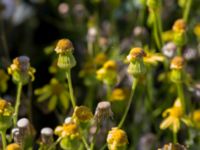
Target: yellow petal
(166,123)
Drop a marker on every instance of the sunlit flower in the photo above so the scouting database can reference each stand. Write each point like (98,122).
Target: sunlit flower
(21,70)
(179,26)
(177,63)
(117,139)
(3,81)
(82,114)
(67,130)
(174,116)
(13,146)
(54,92)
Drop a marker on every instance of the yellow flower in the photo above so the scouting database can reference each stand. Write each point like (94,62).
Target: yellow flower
(100,59)
(3,80)
(177,63)
(197,30)
(64,46)
(179,26)
(108,73)
(116,138)
(119,94)
(82,114)
(153,58)
(67,130)
(196,118)
(135,53)
(5,108)
(55,92)
(21,70)
(167,35)
(13,146)
(174,116)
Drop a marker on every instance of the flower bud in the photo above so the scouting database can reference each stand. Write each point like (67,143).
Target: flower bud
(136,66)
(21,70)
(103,111)
(6,112)
(177,72)
(179,29)
(65,49)
(117,139)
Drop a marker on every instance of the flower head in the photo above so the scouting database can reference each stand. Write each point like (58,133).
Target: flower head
(135,53)
(67,130)
(21,70)
(116,139)
(119,94)
(179,26)
(64,46)
(108,73)
(177,63)
(5,108)
(55,92)
(82,114)
(174,116)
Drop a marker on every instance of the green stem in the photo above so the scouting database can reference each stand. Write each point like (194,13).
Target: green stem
(103,147)
(17,103)
(55,143)
(85,142)
(159,25)
(187,10)
(181,95)
(68,74)
(179,51)
(129,103)
(3,138)
(175,137)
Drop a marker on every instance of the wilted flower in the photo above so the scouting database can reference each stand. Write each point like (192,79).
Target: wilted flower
(169,49)
(108,73)
(174,116)
(3,81)
(13,146)
(103,111)
(54,92)
(46,135)
(117,139)
(21,70)
(65,49)
(190,53)
(82,114)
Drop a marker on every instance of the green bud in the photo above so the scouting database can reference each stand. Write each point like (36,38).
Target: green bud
(66,61)
(137,68)
(69,144)
(177,76)
(180,38)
